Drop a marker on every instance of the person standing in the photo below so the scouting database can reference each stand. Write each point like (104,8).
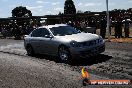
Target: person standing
(82,25)
(126,28)
(110,26)
(103,25)
(77,25)
(92,24)
(71,23)
(3,32)
(118,29)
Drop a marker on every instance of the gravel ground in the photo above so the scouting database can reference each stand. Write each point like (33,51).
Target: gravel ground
(25,72)
(20,71)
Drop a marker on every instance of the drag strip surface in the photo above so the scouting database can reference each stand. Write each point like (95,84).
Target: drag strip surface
(21,71)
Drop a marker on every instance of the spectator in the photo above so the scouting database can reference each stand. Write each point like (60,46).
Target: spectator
(118,29)
(93,25)
(17,33)
(77,25)
(71,23)
(82,25)
(110,26)
(3,32)
(103,25)
(126,28)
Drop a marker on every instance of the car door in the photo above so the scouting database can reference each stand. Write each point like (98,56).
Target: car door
(35,40)
(45,41)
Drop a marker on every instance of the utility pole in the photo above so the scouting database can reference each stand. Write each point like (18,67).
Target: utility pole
(108,20)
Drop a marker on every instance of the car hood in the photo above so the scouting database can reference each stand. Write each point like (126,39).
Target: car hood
(80,37)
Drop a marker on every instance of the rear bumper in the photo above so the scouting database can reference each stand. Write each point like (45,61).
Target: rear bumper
(87,52)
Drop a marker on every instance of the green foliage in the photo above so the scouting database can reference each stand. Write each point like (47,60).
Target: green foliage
(69,7)
(21,12)
(22,15)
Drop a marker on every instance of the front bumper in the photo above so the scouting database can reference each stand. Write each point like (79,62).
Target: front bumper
(87,52)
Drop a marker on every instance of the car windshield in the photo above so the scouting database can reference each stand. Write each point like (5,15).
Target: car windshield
(63,30)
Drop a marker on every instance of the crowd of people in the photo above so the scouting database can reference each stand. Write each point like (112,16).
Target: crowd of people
(17,32)
(83,25)
(118,25)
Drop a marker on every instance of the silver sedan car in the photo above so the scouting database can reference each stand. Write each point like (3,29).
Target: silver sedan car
(63,41)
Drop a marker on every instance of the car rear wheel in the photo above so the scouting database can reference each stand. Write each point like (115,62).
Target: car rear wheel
(64,54)
(29,50)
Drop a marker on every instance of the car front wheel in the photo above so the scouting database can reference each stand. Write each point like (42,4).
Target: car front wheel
(64,54)
(29,50)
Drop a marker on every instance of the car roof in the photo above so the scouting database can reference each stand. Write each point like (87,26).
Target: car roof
(51,26)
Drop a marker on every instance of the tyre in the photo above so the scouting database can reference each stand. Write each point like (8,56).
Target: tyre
(30,51)
(64,54)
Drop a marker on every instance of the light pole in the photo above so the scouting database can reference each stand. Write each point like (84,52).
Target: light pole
(108,20)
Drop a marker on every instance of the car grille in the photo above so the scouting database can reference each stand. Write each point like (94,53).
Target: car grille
(91,43)
(98,49)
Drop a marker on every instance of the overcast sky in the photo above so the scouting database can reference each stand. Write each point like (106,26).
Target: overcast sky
(44,7)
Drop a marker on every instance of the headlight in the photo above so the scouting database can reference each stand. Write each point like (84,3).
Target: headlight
(75,44)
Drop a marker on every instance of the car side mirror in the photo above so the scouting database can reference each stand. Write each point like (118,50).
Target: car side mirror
(25,35)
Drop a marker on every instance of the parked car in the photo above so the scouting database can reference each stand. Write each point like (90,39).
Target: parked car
(63,41)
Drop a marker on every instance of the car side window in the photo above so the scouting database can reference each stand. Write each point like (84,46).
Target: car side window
(36,33)
(41,32)
(44,32)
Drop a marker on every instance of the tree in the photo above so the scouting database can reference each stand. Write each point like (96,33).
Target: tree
(20,24)
(21,12)
(69,7)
